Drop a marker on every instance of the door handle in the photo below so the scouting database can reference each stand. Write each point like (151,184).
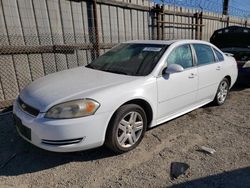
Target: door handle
(192,75)
(218,68)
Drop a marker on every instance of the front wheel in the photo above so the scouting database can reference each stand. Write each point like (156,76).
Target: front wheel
(126,128)
(222,92)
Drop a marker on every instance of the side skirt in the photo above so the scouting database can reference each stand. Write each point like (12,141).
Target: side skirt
(175,115)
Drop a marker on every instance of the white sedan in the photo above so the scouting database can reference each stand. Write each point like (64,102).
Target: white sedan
(113,100)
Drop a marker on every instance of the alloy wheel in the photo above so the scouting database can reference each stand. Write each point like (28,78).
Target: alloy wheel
(130,129)
(223,91)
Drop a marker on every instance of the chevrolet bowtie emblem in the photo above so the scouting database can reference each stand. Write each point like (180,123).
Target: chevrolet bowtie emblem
(23,106)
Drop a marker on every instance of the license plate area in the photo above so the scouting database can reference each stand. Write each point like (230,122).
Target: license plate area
(23,130)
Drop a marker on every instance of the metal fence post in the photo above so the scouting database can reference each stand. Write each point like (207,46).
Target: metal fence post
(154,16)
(163,25)
(97,46)
(228,21)
(196,16)
(200,18)
(192,27)
(157,9)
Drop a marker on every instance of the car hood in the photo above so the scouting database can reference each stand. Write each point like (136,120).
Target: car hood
(231,37)
(68,85)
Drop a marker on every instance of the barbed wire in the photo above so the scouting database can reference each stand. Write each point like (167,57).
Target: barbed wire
(205,5)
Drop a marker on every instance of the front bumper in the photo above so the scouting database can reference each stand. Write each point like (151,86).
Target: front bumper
(65,135)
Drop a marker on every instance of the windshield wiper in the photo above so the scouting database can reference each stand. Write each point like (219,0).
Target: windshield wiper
(106,70)
(117,72)
(90,66)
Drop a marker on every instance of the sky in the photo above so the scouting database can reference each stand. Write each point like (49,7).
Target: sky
(241,4)
(237,5)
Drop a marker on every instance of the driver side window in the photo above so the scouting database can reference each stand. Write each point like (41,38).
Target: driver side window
(181,55)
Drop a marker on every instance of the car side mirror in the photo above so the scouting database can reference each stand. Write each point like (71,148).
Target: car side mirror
(173,68)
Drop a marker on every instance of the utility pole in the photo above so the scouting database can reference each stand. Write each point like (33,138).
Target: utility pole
(225,7)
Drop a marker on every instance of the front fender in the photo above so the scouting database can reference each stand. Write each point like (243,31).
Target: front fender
(113,98)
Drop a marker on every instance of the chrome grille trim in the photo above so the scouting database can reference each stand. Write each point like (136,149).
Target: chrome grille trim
(62,142)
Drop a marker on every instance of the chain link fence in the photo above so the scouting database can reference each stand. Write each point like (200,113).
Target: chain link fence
(40,37)
(23,63)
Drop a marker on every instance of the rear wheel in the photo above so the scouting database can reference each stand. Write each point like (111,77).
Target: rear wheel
(126,128)
(222,92)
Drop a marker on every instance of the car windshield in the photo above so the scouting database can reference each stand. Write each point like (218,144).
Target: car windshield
(130,59)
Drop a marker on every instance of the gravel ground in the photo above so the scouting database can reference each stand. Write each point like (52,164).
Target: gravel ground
(225,128)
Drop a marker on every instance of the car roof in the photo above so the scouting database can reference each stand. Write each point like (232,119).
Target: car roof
(166,42)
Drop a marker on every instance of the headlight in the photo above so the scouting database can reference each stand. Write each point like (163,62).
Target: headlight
(73,109)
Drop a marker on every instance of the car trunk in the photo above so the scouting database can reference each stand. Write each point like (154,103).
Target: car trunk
(231,37)
(234,40)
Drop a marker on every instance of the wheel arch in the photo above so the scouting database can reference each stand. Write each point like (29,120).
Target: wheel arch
(145,106)
(229,80)
(142,103)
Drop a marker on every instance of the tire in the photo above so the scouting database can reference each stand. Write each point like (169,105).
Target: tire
(123,134)
(222,92)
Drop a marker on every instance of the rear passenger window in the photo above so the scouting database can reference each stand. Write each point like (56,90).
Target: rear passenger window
(204,54)
(219,55)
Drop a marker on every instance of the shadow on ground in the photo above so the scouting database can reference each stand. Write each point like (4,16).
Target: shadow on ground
(231,179)
(20,157)
(241,85)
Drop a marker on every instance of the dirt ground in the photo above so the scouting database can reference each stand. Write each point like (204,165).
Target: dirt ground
(225,128)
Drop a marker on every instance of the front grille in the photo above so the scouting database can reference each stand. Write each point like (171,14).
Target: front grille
(27,108)
(23,130)
(62,142)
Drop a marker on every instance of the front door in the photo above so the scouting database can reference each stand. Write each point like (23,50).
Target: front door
(177,91)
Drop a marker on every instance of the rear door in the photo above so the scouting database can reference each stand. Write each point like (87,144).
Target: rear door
(209,72)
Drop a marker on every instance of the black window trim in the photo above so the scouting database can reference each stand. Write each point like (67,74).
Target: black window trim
(216,57)
(196,59)
(160,74)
